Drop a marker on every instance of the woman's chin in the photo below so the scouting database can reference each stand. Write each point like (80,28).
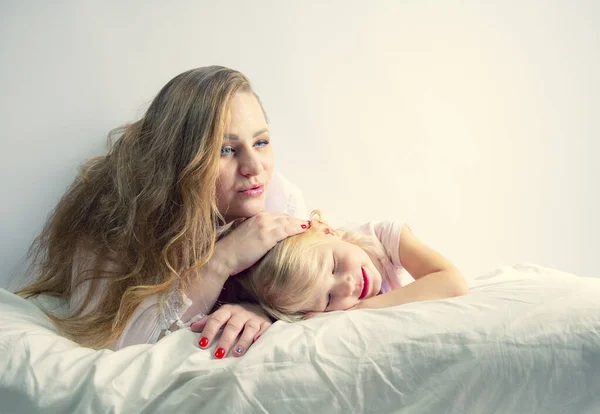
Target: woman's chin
(244,211)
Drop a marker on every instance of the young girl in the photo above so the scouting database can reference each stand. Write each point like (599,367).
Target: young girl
(324,270)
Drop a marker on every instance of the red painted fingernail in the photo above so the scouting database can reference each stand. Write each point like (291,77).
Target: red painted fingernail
(220,353)
(203,342)
(256,339)
(303,226)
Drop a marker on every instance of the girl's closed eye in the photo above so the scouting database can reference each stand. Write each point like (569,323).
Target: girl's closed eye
(328,302)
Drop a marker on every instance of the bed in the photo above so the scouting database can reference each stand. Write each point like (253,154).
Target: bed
(526,340)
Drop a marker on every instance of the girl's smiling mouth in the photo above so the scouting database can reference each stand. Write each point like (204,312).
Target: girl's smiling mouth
(365,289)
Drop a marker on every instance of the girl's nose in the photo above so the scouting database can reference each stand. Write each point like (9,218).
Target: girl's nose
(349,285)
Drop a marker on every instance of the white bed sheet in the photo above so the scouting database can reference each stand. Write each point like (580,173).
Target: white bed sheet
(526,340)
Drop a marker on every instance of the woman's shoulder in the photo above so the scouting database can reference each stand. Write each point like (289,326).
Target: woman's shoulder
(284,197)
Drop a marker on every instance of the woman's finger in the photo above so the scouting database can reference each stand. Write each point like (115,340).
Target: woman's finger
(251,331)
(230,333)
(242,325)
(274,228)
(214,322)
(199,325)
(284,227)
(263,327)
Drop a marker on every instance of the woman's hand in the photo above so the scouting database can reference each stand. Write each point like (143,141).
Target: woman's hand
(244,322)
(237,251)
(252,239)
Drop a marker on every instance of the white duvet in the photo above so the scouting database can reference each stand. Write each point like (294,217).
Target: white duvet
(526,340)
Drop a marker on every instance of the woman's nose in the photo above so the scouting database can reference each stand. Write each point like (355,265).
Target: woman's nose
(250,164)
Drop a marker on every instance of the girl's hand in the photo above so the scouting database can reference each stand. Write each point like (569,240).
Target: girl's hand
(244,322)
(252,239)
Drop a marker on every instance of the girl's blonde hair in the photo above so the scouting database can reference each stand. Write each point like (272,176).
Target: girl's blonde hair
(282,282)
(146,211)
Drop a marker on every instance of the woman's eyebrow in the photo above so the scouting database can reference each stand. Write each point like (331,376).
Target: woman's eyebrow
(255,135)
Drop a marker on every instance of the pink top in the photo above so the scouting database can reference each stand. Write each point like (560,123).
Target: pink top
(158,312)
(388,234)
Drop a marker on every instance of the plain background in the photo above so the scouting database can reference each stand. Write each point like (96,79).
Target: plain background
(475,122)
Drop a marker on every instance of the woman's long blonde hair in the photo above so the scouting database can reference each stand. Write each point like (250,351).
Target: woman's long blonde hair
(146,210)
(282,282)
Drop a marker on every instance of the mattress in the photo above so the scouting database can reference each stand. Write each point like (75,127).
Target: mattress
(525,340)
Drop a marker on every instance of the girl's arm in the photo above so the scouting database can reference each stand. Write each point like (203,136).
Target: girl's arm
(435,277)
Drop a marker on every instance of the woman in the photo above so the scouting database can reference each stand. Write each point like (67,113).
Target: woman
(131,244)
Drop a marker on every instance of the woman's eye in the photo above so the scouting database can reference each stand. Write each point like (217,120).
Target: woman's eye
(226,150)
(334,266)
(261,143)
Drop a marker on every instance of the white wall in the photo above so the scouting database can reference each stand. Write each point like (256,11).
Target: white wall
(474,122)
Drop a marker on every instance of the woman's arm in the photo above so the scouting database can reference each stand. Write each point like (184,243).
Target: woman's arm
(435,277)
(237,251)
(207,285)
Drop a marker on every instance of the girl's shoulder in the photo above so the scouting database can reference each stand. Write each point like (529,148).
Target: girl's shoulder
(388,234)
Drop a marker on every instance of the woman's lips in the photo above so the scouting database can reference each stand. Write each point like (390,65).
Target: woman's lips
(253,191)
(365,289)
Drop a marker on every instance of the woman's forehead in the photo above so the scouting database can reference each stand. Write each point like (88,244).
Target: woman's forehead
(245,115)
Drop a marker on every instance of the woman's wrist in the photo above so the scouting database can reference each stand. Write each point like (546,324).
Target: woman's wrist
(206,286)
(220,264)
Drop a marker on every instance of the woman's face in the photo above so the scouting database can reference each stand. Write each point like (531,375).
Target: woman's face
(246,164)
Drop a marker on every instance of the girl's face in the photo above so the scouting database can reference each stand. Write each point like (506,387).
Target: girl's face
(348,275)
(246,164)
